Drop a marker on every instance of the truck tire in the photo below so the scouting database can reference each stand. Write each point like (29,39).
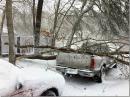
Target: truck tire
(98,78)
(100,75)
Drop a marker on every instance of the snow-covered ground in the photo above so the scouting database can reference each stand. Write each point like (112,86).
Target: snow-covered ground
(87,87)
(115,83)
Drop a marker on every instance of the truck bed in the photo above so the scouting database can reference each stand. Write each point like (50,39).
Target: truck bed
(73,60)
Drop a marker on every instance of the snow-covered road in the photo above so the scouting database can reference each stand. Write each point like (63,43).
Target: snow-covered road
(114,84)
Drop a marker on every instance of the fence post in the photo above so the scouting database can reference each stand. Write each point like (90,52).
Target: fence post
(18,45)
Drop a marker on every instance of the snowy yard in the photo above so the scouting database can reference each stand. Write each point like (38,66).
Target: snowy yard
(86,87)
(115,84)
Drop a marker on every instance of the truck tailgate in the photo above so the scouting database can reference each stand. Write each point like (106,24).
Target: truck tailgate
(73,60)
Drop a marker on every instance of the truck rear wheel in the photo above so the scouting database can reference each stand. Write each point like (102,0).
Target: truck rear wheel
(99,77)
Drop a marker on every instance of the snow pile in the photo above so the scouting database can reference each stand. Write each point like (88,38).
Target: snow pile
(119,73)
(8,77)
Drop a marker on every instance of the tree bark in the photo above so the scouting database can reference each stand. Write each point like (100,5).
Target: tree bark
(38,25)
(55,22)
(1,30)
(34,16)
(37,57)
(10,31)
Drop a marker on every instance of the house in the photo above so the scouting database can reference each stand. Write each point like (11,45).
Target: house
(45,39)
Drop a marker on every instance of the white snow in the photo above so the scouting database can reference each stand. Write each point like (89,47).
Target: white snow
(8,78)
(35,63)
(87,87)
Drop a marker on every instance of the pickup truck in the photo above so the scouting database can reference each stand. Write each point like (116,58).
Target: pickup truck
(85,65)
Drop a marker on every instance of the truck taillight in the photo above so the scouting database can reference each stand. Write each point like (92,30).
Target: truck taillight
(93,63)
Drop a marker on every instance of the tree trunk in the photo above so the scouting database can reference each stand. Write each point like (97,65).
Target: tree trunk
(1,30)
(38,25)
(55,22)
(10,31)
(34,16)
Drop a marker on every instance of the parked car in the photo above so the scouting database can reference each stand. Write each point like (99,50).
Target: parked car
(29,81)
(85,65)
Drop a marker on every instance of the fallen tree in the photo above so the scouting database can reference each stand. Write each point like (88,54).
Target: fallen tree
(111,54)
(32,56)
(53,57)
(64,49)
